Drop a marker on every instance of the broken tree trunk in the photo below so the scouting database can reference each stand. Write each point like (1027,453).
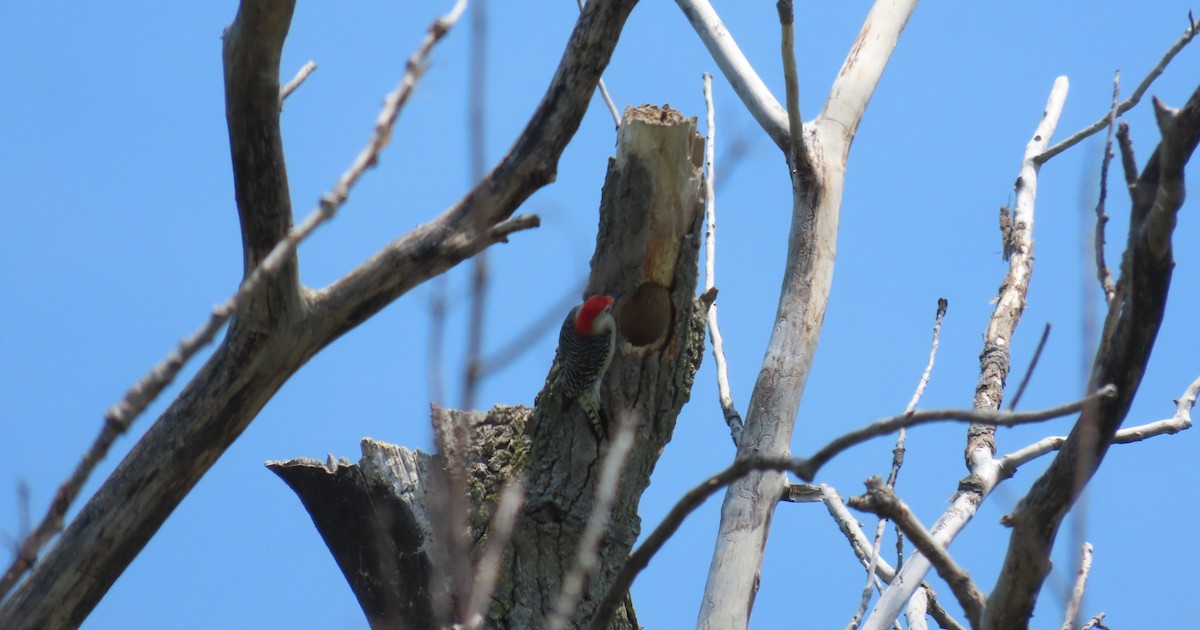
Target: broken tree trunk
(381,518)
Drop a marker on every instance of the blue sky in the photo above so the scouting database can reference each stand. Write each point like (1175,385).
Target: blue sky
(118,233)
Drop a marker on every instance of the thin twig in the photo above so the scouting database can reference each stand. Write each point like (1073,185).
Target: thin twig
(942,305)
(477,127)
(994,367)
(1037,354)
(1181,421)
(119,417)
(1125,106)
(612,107)
(1102,272)
(526,339)
(898,451)
(869,587)
(588,559)
(898,462)
(988,417)
(1071,618)
(724,394)
(882,500)
(797,153)
(488,571)
(805,469)
(859,543)
(291,86)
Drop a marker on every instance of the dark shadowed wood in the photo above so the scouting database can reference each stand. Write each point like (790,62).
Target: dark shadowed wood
(375,540)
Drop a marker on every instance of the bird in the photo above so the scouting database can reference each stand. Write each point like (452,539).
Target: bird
(586,345)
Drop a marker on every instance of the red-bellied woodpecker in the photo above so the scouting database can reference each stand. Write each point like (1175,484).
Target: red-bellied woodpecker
(585,348)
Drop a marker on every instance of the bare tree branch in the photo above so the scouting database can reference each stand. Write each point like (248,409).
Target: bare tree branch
(1102,273)
(812,246)
(1127,104)
(806,469)
(1071,617)
(251,103)
(981,442)
(882,500)
(797,153)
(724,394)
(994,368)
(608,101)
(291,86)
(1134,317)
(1181,421)
(737,69)
(1037,354)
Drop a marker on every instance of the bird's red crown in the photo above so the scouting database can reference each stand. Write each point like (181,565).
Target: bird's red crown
(590,311)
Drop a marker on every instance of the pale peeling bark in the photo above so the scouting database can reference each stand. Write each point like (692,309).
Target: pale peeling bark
(647,251)
(746,512)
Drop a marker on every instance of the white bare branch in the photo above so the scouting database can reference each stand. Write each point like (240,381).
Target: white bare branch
(986,472)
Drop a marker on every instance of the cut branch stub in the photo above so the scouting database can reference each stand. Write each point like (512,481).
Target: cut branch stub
(376,537)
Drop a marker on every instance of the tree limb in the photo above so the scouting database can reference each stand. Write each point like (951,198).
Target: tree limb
(1134,317)
(993,373)
(732,417)
(882,500)
(737,70)
(1181,421)
(812,243)
(805,469)
(1127,104)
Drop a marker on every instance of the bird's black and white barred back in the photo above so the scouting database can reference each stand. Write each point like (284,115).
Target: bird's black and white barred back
(585,349)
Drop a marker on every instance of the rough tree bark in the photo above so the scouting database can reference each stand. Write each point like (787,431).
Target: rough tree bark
(647,252)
